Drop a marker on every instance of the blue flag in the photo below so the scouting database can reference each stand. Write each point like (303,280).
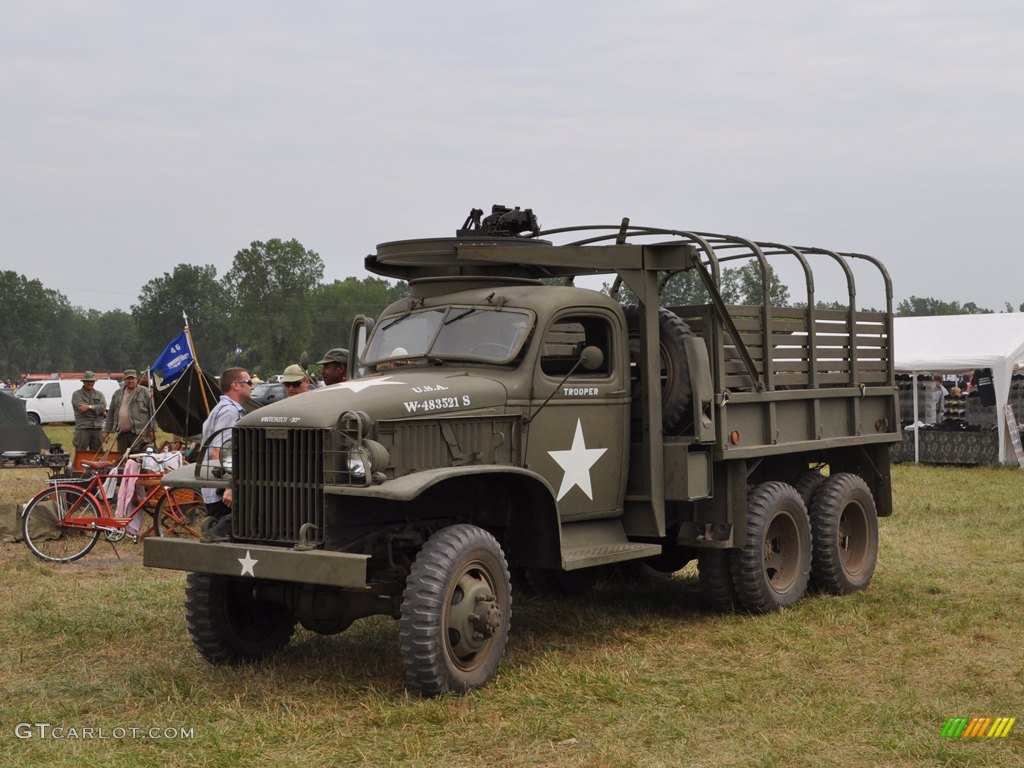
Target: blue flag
(173,361)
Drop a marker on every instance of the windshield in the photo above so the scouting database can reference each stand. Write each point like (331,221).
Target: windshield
(446,333)
(28,389)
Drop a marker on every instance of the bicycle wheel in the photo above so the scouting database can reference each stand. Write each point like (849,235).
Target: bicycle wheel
(180,513)
(46,529)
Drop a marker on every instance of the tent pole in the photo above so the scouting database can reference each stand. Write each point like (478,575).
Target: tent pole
(195,362)
(917,443)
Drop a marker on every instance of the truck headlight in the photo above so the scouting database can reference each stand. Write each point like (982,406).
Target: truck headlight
(368,459)
(359,463)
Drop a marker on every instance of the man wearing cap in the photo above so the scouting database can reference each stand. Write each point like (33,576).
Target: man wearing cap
(295,380)
(90,406)
(335,366)
(130,414)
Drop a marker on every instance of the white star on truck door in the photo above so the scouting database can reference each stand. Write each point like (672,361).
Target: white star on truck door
(576,463)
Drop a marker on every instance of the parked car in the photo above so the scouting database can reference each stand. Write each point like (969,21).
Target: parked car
(268,392)
(49,400)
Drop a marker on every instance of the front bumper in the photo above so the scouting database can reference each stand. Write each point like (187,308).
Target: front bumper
(315,566)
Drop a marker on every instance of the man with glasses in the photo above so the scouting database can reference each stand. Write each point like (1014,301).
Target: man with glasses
(130,415)
(295,380)
(236,391)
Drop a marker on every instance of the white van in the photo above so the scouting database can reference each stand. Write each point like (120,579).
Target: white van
(49,400)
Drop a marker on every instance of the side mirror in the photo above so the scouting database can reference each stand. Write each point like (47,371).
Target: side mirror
(591,358)
(362,326)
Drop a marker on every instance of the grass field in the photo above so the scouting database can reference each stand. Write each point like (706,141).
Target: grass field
(628,676)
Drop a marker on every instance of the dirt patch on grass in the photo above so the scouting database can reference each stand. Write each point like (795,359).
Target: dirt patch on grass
(103,556)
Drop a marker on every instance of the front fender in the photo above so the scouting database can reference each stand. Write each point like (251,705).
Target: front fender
(408,487)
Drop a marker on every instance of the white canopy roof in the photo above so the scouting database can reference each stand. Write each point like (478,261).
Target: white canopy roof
(960,343)
(950,343)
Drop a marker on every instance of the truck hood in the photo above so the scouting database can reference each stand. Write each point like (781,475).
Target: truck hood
(397,395)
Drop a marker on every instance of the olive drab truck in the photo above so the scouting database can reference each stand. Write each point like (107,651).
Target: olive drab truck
(504,426)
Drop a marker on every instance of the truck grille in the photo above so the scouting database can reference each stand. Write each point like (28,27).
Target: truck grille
(279,484)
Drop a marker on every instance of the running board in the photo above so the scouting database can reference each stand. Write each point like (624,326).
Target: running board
(599,542)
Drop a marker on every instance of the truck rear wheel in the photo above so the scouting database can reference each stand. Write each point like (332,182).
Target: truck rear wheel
(844,526)
(456,612)
(676,392)
(229,624)
(715,575)
(772,569)
(807,484)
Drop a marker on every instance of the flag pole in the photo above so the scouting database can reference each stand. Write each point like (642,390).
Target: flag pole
(195,362)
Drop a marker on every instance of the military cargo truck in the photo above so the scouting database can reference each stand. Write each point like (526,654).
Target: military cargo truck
(501,429)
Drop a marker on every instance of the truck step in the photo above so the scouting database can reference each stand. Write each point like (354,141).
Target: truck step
(589,556)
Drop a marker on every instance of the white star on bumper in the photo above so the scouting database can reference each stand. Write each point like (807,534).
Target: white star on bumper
(247,564)
(576,463)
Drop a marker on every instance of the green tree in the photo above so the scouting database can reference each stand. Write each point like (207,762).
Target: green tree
(105,341)
(270,286)
(684,289)
(40,341)
(194,290)
(917,306)
(337,303)
(743,285)
(738,285)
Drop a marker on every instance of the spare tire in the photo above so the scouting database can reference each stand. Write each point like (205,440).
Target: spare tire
(676,393)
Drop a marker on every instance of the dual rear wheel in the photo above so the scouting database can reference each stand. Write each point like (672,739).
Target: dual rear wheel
(832,546)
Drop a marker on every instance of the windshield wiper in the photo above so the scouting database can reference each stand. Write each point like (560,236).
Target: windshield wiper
(416,304)
(396,321)
(469,311)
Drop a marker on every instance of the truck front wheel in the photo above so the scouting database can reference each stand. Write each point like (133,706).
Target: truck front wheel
(229,624)
(844,524)
(456,612)
(772,569)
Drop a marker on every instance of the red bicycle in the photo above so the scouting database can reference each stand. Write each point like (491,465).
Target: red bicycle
(63,522)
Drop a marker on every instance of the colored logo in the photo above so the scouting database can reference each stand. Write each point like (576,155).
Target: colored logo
(977,727)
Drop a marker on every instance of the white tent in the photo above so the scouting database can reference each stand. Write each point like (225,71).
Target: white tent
(960,344)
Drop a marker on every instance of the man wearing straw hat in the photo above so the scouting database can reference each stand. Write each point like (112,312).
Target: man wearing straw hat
(90,406)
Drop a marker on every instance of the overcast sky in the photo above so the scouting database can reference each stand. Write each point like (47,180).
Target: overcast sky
(138,135)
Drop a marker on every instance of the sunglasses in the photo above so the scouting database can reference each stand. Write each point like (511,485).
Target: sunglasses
(292,384)
(247,382)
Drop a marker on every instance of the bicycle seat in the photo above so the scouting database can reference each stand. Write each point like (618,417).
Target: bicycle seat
(99,464)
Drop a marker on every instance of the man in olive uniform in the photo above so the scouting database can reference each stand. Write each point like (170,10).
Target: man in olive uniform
(335,366)
(130,414)
(90,406)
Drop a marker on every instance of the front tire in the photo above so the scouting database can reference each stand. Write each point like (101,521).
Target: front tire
(772,569)
(229,624)
(456,612)
(43,524)
(844,526)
